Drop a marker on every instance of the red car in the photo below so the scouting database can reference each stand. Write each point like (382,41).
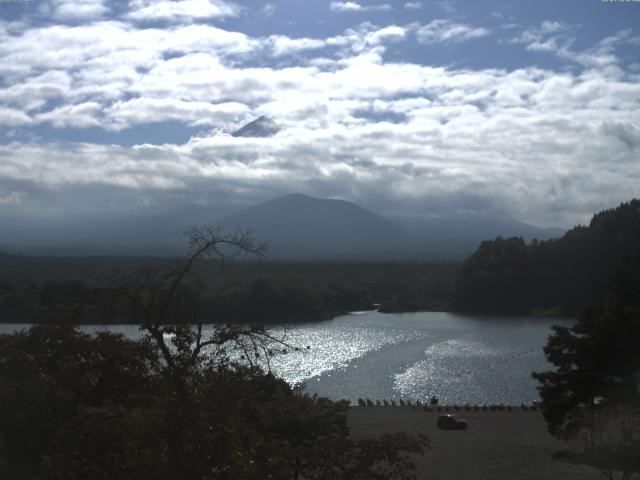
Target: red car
(451,422)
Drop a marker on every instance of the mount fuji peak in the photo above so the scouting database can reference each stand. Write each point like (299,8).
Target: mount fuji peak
(260,127)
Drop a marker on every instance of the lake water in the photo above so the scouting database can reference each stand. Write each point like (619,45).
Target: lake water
(459,359)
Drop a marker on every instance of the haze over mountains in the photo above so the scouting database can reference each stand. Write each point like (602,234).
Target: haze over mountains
(297,227)
(300,227)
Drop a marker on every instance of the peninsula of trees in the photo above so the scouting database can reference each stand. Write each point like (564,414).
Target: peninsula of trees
(558,276)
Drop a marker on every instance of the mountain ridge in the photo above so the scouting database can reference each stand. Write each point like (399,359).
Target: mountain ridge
(300,227)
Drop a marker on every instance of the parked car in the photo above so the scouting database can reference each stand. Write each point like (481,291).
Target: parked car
(451,422)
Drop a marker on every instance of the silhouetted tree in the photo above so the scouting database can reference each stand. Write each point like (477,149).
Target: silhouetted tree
(48,373)
(561,275)
(597,360)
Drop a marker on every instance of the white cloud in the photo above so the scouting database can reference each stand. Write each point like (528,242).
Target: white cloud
(559,38)
(81,115)
(545,36)
(357,7)
(152,110)
(150,10)
(508,120)
(390,33)
(354,124)
(13,117)
(446,31)
(79,9)
(33,92)
(413,5)
(283,45)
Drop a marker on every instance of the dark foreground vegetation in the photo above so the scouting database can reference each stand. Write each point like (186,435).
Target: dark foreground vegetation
(178,404)
(76,406)
(592,398)
(557,276)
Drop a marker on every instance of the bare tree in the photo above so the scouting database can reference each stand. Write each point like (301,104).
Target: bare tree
(190,350)
(155,295)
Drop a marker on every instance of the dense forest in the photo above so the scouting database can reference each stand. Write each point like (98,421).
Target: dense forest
(557,276)
(262,300)
(503,276)
(78,288)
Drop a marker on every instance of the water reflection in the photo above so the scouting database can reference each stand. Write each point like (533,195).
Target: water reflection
(413,356)
(459,359)
(333,347)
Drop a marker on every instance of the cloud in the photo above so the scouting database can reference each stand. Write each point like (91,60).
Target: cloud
(12,199)
(138,111)
(462,131)
(76,10)
(448,6)
(151,10)
(35,91)
(283,45)
(558,38)
(413,5)
(544,37)
(268,9)
(446,31)
(356,7)
(80,115)
(13,117)
(355,123)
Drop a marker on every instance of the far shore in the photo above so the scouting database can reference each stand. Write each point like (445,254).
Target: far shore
(498,445)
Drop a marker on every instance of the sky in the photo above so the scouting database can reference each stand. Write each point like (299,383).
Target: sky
(527,110)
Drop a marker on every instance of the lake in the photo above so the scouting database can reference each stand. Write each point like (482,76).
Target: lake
(459,359)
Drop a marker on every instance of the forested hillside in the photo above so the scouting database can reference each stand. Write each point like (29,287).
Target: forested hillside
(36,288)
(556,276)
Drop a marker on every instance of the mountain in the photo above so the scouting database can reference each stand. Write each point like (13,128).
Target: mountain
(477,228)
(260,127)
(159,233)
(299,227)
(454,237)
(559,275)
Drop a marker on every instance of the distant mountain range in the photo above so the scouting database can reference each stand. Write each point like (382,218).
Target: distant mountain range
(302,227)
(296,226)
(456,236)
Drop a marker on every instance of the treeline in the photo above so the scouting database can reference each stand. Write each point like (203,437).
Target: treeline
(261,300)
(430,293)
(383,279)
(557,276)
(35,288)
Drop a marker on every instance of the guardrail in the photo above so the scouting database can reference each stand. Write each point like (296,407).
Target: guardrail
(446,408)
